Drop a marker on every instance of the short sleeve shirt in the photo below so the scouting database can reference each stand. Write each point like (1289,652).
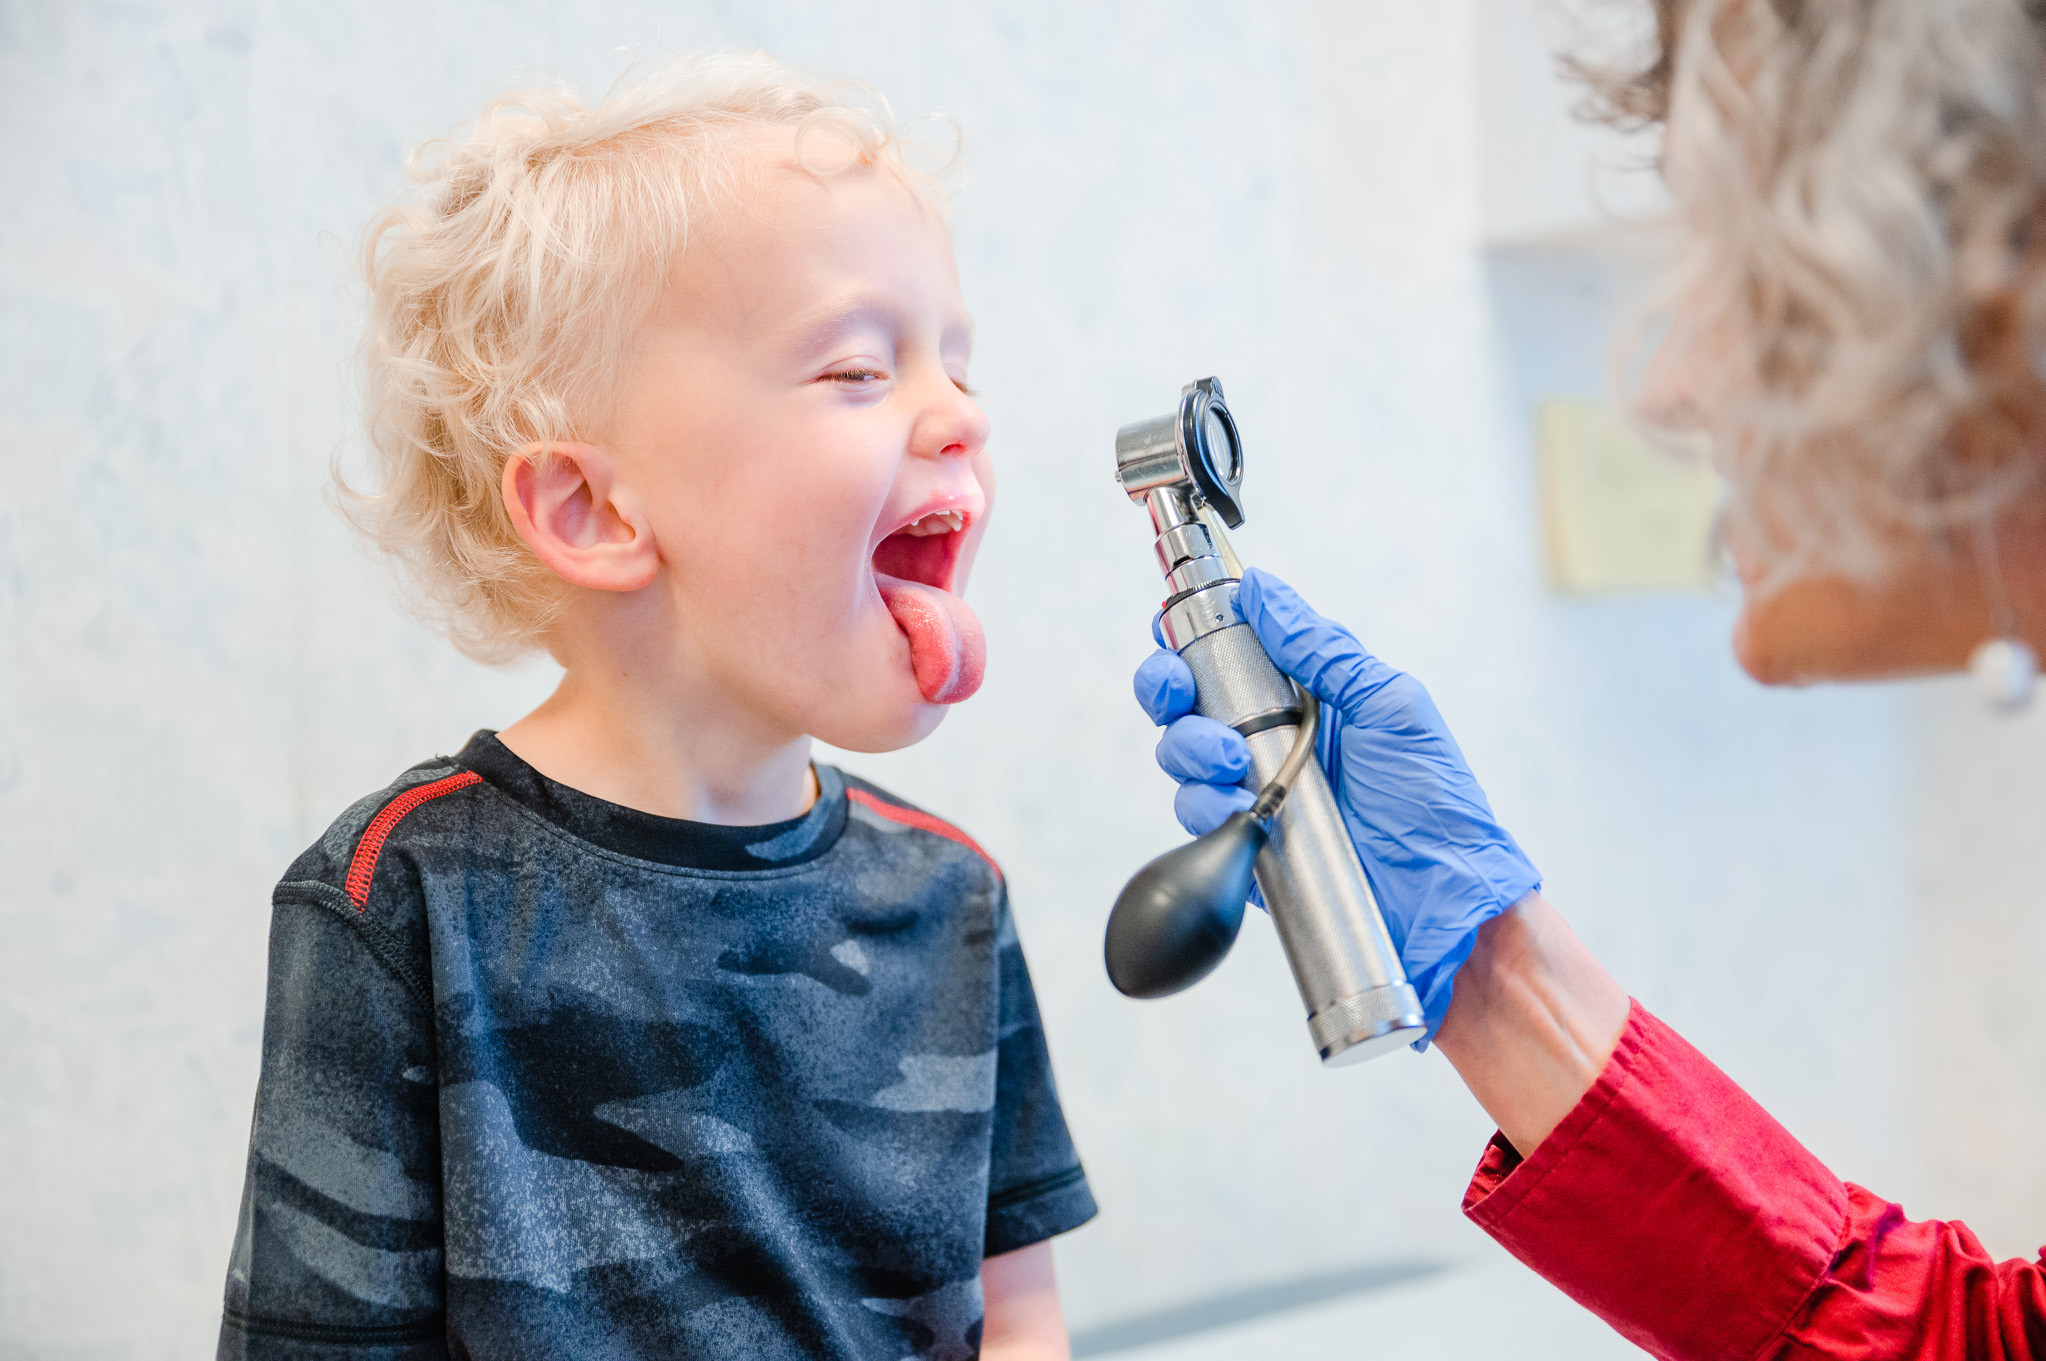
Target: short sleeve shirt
(544,1076)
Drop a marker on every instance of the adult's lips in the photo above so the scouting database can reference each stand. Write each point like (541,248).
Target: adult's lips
(914,568)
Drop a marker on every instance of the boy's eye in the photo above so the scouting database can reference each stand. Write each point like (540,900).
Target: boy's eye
(856,376)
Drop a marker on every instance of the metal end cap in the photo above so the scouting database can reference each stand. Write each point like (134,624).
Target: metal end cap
(1366,1024)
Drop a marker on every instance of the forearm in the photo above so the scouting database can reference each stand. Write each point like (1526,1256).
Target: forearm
(1024,1319)
(1532,1022)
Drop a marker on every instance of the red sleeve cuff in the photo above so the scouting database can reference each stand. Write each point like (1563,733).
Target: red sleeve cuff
(1668,1203)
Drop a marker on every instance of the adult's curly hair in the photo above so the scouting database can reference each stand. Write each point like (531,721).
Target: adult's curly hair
(505,293)
(1855,298)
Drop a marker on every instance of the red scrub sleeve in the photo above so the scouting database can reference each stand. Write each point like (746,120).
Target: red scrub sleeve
(1670,1205)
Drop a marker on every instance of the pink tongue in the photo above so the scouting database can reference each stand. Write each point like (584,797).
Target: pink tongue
(946,648)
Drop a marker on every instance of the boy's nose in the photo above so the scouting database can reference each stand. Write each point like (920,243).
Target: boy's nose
(952,425)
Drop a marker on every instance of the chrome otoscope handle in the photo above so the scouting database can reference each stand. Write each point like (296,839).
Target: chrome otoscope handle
(1179,914)
(1358,1001)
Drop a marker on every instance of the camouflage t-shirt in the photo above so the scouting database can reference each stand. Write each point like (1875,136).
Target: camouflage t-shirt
(548,1077)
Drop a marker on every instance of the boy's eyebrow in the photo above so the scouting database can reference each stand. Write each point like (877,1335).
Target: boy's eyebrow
(849,314)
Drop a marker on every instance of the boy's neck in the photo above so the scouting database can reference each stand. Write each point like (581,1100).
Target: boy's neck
(679,754)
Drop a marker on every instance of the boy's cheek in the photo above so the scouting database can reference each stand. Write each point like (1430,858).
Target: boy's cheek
(969,551)
(984,473)
(793,530)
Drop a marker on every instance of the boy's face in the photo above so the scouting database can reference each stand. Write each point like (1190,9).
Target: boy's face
(797,430)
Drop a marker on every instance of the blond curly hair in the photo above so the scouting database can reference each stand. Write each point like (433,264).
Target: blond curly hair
(1856,297)
(506,292)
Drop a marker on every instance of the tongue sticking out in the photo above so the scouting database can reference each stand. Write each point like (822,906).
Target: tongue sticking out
(946,648)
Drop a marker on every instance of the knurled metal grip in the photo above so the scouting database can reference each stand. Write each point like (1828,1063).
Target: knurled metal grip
(1349,975)
(1235,680)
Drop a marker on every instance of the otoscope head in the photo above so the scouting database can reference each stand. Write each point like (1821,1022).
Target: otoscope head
(1195,448)
(1175,920)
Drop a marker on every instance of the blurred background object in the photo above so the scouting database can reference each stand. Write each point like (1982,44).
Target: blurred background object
(1618,513)
(1375,220)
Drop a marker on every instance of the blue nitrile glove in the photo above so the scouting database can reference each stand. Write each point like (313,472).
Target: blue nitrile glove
(1438,861)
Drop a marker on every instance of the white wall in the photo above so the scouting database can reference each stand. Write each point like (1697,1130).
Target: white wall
(1546,174)
(1970,1005)
(197,670)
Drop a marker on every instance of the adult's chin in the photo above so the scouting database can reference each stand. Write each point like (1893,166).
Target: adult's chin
(1924,619)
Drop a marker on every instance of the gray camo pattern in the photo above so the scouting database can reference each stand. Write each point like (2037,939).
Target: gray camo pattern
(542,1099)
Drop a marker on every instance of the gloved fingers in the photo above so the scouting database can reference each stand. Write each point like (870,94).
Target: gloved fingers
(1201,808)
(1164,686)
(1204,751)
(1314,650)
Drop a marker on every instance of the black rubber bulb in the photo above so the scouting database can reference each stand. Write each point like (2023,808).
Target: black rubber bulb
(1179,915)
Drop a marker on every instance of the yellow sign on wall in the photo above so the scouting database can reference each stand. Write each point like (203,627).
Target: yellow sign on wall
(1619,514)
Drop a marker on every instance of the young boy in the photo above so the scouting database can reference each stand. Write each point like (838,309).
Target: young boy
(629,1032)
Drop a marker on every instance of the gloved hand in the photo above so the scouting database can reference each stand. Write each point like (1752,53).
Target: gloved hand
(1438,861)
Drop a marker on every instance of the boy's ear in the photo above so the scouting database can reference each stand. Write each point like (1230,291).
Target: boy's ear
(566,502)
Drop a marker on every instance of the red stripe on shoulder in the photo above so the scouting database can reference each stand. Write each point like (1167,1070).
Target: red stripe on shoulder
(923,822)
(363,867)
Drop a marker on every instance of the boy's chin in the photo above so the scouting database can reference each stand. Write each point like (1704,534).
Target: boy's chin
(905,724)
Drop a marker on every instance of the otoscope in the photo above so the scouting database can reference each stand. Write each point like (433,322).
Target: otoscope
(1177,918)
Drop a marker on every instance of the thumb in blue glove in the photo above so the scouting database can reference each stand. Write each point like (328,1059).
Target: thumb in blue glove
(1437,858)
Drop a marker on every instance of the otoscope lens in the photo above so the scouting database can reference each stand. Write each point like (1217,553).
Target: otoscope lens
(1223,454)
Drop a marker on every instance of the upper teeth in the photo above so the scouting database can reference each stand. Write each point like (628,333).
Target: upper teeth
(937,522)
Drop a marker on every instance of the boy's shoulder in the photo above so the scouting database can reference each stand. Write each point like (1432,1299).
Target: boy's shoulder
(889,813)
(344,860)
(336,872)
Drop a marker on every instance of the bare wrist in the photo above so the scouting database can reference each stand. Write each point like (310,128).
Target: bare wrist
(1532,1021)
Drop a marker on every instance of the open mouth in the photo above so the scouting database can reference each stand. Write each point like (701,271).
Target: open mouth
(915,568)
(926,550)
